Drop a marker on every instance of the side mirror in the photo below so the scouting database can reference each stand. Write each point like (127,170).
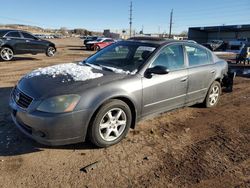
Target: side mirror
(156,70)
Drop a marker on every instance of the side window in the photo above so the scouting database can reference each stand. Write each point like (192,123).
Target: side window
(210,57)
(197,56)
(170,57)
(13,34)
(28,36)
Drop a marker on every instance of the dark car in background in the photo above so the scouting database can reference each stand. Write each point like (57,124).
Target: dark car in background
(13,42)
(89,39)
(104,96)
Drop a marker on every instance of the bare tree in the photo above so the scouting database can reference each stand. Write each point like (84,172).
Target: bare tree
(184,33)
(63,30)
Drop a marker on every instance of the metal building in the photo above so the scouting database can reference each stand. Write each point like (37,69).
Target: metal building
(225,33)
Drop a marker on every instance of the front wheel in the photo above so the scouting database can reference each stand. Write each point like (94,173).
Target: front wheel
(111,124)
(50,51)
(213,95)
(6,54)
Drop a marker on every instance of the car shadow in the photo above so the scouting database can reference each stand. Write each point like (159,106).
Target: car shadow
(74,46)
(24,59)
(13,142)
(80,48)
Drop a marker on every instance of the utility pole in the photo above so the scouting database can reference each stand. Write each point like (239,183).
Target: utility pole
(130,19)
(171,23)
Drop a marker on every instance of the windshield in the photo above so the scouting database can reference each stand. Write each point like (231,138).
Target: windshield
(99,40)
(125,56)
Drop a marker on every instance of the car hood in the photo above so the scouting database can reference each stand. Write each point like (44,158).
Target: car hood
(51,81)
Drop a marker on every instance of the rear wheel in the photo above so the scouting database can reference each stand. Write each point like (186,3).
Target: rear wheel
(111,124)
(97,48)
(6,54)
(50,51)
(213,95)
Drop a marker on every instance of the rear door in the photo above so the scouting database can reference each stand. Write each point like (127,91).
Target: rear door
(201,72)
(16,41)
(166,92)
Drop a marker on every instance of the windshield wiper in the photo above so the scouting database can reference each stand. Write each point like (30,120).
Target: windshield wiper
(98,65)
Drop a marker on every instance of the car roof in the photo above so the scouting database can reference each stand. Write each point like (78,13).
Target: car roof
(154,40)
(8,30)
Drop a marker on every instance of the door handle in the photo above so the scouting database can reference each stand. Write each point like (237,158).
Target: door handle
(184,79)
(27,41)
(212,71)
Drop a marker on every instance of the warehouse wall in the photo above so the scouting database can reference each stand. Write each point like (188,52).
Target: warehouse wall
(198,36)
(226,36)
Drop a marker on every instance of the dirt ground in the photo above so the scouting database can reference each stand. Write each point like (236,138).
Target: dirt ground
(189,147)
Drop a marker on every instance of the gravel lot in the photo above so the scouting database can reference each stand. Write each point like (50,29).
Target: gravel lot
(189,147)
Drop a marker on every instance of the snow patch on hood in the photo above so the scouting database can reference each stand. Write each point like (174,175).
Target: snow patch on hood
(77,72)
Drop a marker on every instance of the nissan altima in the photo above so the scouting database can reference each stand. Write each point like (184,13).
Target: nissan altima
(104,96)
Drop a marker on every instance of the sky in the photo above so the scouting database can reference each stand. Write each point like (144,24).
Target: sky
(151,15)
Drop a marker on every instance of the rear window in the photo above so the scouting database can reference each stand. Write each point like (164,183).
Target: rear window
(13,34)
(197,56)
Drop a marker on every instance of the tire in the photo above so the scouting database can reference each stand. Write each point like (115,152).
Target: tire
(106,129)
(50,52)
(213,95)
(6,54)
(97,48)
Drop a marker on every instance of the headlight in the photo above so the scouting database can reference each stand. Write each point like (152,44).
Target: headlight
(59,104)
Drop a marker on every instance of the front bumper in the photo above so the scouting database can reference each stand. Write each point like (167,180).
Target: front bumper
(51,129)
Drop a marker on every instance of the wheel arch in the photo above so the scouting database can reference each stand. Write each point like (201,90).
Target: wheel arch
(218,80)
(51,45)
(8,46)
(123,98)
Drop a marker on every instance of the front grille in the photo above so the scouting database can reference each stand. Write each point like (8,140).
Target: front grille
(21,98)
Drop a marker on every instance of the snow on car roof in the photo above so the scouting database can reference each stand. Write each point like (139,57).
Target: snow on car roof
(78,72)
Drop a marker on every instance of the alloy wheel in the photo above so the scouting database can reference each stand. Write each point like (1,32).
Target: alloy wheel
(7,54)
(214,95)
(113,124)
(51,51)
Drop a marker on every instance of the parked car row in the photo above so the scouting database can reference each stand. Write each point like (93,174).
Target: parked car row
(14,42)
(48,36)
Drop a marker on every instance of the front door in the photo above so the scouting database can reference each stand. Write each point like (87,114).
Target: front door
(34,45)
(166,92)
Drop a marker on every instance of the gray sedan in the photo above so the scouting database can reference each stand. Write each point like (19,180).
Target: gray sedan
(104,96)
